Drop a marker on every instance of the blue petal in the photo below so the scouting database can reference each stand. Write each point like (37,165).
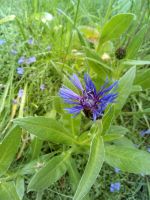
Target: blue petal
(74,110)
(108,98)
(105,90)
(66,93)
(89,84)
(145,132)
(75,80)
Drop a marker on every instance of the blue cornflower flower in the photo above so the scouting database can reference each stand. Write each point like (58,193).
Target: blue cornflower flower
(91,102)
(31,60)
(20,70)
(2,41)
(21,60)
(115,187)
(31,41)
(145,132)
(42,86)
(20,93)
(117,170)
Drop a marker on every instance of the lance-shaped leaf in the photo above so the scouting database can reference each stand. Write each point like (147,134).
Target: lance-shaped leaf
(74,176)
(93,167)
(8,191)
(50,173)
(128,159)
(8,148)
(124,88)
(45,129)
(114,28)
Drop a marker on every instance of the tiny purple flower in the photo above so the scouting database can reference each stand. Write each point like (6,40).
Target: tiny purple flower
(20,70)
(31,41)
(92,102)
(145,132)
(48,48)
(14,52)
(148,149)
(115,187)
(14,101)
(2,41)
(21,60)
(117,170)
(31,60)
(42,86)
(20,93)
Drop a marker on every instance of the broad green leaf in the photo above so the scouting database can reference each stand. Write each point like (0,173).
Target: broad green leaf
(136,62)
(74,176)
(118,129)
(124,88)
(111,137)
(7,19)
(36,146)
(50,173)
(136,88)
(114,28)
(124,142)
(128,159)
(8,148)
(142,78)
(92,169)
(135,43)
(33,166)
(8,191)
(72,123)
(20,187)
(45,129)
(107,119)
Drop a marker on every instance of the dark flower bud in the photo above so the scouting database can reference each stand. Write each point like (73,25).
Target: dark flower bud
(120,53)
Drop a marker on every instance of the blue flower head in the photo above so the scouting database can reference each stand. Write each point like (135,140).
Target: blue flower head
(20,70)
(115,187)
(92,102)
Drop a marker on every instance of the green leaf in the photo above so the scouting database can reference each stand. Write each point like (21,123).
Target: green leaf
(72,123)
(114,28)
(128,159)
(142,78)
(124,142)
(111,137)
(107,119)
(124,88)
(135,43)
(8,148)
(97,64)
(93,167)
(45,129)
(118,129)
(136,62)
(8,191)
(20,187)
(7,19)
(36,146)
(34,165)
(50,173)
(74,176)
